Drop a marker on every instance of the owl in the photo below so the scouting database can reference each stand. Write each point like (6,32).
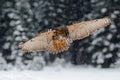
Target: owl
(59,39)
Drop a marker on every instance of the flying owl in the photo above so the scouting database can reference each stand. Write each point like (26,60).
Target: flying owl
(59,39)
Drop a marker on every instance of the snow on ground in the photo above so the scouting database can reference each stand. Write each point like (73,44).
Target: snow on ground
(62,74)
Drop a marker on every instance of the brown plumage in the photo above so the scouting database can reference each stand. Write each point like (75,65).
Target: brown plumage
(60,38)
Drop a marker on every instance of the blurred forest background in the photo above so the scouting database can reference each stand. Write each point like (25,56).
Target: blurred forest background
(22,19)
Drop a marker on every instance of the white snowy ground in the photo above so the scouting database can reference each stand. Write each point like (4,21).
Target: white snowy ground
(73,73)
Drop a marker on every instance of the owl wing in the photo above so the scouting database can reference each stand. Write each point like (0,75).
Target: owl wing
(38,43)
(85,28)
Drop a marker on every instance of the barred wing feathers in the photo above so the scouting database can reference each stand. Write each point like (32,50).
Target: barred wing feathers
(85,28)
(38,43)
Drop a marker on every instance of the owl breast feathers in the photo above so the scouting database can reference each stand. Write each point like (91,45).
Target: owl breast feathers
(60,38)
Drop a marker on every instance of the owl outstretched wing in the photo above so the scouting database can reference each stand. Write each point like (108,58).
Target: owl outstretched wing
(85,28)
(38,43)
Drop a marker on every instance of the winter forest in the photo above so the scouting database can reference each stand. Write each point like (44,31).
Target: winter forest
(23,19)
